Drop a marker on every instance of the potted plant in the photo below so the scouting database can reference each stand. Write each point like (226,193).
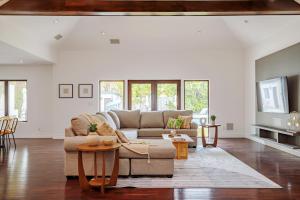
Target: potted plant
(92,138)
(213,119)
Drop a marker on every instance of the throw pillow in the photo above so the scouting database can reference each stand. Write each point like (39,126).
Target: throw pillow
(122,137)
(174,123)
(105,130)
(80,125)
(115,118)
(187,120)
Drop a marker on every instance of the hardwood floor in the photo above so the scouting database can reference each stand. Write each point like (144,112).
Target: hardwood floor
(35,171)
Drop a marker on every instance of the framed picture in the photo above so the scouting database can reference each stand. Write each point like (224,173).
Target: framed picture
(65,90)
(85,90)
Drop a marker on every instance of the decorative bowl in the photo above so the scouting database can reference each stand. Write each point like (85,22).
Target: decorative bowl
(108,142)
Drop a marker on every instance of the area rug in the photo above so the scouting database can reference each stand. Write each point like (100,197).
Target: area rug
(205,168)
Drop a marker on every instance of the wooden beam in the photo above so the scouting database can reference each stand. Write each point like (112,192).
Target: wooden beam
(144,7)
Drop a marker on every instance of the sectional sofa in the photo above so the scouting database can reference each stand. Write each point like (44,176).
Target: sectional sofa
(145,126)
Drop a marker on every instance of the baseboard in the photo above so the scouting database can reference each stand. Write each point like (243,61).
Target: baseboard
(275,145)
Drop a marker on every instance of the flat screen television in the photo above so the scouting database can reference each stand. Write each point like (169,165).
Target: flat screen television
(272,95)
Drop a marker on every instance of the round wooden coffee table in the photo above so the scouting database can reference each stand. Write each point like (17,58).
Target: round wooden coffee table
(98,182)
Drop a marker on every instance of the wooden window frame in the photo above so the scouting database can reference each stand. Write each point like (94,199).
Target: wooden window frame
(154,84)
(123,81)
(208,91)
(6,96)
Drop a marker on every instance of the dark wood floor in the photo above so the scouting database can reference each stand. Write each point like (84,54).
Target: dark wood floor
(35,171)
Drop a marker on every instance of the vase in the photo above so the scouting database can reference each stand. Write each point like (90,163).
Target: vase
(92,139)
(213,123)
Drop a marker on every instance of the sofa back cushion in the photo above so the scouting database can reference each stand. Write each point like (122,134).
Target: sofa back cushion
(128,118)
(109,119)
(174,114)
(153,119)
(115,118)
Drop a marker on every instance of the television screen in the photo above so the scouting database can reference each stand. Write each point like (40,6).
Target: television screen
(272,95)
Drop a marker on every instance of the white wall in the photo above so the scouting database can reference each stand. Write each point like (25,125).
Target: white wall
(39,85)
(288,36)
(224,69)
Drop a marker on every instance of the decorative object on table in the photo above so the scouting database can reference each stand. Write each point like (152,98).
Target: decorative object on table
(108,142)
(85,90)
(293,122)
(98,181)
(202,120)
(215,126)
(172,133)
(213,119)
(92,138)
(65,90)
(186,121)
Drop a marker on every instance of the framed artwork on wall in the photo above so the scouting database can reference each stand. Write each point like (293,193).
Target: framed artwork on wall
(65,90)
(85,90)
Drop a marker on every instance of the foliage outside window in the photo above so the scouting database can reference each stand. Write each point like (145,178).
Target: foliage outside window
(111,95)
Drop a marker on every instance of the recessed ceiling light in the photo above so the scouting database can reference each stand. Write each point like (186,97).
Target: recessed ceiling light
(21,61)
(199,31)
(102,33)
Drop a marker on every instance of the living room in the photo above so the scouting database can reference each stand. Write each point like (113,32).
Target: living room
(71,67)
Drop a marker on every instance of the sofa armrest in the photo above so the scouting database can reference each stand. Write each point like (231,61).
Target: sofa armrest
(194,125)
(69,132)
(71,143)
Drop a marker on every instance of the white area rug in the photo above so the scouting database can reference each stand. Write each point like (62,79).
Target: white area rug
(205,168)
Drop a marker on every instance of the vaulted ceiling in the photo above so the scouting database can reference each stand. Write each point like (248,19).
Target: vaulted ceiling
(34,35)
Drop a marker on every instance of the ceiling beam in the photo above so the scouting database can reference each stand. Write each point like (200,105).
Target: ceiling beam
(145,7)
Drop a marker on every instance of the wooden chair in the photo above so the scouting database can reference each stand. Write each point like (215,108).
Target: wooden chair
(11,129)
(4,123)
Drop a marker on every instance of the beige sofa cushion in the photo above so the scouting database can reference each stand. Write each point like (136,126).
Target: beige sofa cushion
(152,132)
(157,149)
(115,118)
(174,114)
(152,119)
(128,118)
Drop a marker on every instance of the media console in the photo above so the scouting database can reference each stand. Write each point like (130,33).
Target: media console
(277,135)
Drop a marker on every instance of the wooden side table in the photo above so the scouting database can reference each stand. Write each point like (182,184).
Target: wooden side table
(204,143)
(98,182)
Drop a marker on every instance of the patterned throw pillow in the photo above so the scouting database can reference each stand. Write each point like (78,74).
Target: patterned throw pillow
(187,120)
(174,123)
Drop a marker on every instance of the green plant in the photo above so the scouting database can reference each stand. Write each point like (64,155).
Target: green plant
(213,118)
(93,127)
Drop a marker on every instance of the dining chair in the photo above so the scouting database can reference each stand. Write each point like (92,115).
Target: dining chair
(4,123)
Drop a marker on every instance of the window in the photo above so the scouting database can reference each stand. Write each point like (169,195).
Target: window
(111,95)
(196,98)
(13,99)
(148,95)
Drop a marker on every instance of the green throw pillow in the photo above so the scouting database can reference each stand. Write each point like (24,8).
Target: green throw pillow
(174,123)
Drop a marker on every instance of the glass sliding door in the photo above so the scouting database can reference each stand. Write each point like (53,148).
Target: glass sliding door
(111,95)
(141,96)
